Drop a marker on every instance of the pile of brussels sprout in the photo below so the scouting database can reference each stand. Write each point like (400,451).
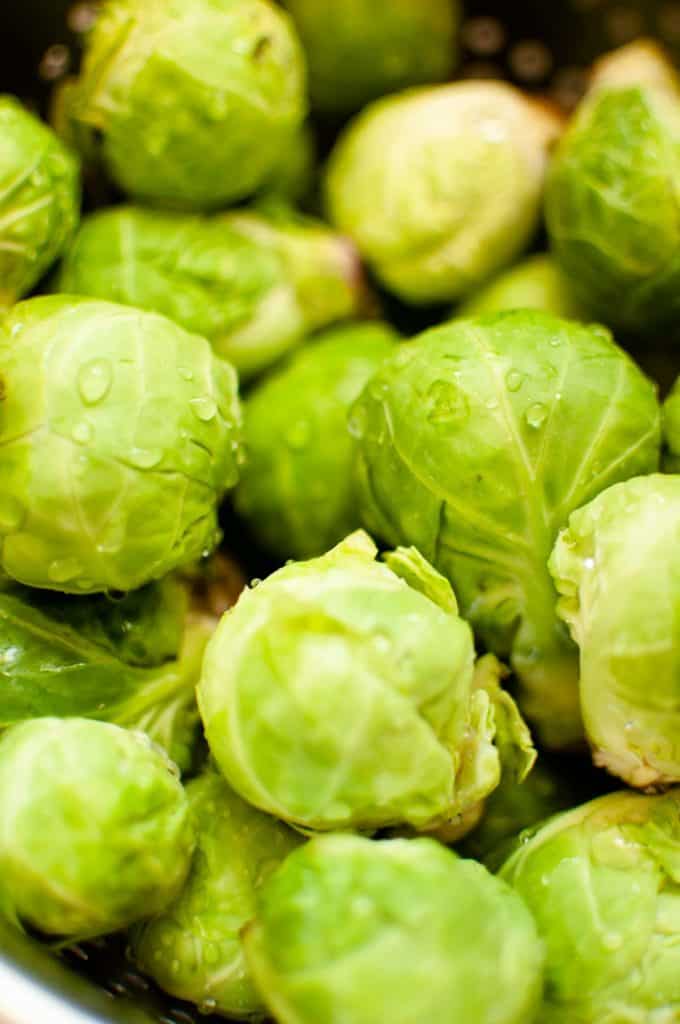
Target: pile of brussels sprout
(427,770)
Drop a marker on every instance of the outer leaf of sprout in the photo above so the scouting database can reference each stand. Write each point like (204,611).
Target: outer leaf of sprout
(66,660)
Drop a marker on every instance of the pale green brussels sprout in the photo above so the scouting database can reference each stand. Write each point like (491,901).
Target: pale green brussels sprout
(119,432)
(617,569)
(130,662)
(296,490)
(339,693)
(612,200)
(190,102)
(671,424)
(359,50)
(39,199)
(358,931)
(96,835)
(193,949)
(535,283)
(253,282)
(441,187)
(474,443)
(603,884)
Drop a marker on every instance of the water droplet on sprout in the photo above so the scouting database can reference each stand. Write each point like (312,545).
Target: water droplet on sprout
(94,380)
(447,403)
(536,415)
(64,569)
(82,433)
(204,408)
(145,458)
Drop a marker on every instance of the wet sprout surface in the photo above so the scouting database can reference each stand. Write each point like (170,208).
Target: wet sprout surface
(340,519)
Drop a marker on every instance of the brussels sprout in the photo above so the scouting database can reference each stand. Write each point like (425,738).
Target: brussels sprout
(253,283)
(293,178)
(617,569)
(39,199)
(515,806)
(640,62)
(361,50)
(474,443)
(612,199)
(671,423)
(602,882)
(441,187)
(358,931)
(193,950)
(339,693)
(193,101)
(96,835)
(296,489)
(118,434)
(536,283)
(63,657)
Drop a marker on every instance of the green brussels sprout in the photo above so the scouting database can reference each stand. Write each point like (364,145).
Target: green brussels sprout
(612,198)
(474,443)
(535,283)
(97,833)
(602,883)
(339,693)
(617,569)
(358,931)
(65,657)
(191,101)
(441,187)
(39,199)
(193,949)
(293,178)
(119,432)
(515,806)
(296,489)
(254,283)
(358,51)
(671,425)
